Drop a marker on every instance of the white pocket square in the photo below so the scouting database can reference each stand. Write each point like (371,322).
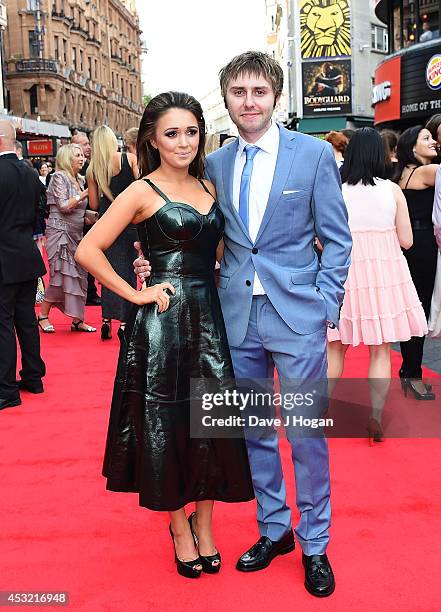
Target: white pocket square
(291,191)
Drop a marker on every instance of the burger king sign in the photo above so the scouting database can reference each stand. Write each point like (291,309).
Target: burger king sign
(433,72)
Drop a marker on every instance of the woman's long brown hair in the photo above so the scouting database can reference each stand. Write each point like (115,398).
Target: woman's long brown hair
(148,157)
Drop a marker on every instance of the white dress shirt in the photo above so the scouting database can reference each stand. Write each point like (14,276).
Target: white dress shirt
(261,180)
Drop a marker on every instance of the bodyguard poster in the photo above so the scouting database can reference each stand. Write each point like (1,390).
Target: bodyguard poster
(326,88)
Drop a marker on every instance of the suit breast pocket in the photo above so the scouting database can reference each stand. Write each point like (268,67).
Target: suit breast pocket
(295,194)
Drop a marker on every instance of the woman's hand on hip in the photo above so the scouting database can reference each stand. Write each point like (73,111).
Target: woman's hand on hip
(155,293)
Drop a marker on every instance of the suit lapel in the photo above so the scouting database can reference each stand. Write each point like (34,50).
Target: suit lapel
(228,163)
(285,158)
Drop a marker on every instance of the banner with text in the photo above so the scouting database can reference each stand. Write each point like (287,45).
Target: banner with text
(326,88)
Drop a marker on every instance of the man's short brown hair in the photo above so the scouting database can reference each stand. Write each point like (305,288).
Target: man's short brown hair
(255,63)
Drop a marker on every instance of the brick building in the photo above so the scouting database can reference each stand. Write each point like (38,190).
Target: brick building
(74,62)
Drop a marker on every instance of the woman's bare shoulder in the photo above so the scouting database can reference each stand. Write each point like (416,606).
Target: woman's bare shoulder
(132,158)
(429,173)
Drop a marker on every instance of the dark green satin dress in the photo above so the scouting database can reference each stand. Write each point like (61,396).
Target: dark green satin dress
(149,449)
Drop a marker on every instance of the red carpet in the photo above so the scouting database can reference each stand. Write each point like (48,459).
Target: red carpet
(60,529)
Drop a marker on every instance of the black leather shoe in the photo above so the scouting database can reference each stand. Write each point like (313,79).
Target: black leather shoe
(263,552)
(31,387)
(319,578)
(9,403)
(93,301)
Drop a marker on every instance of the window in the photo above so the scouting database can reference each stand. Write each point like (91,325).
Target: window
(379,38)
(64,50)
(89,73)
(34,47)
(81,61)
(57,48)
(74,58)
(33,100)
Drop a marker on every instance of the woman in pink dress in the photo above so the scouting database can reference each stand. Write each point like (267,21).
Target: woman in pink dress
(381,304)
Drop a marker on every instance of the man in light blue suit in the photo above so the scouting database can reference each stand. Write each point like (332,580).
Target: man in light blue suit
(278,191)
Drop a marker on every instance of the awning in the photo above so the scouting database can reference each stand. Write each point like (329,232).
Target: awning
(42,128)
(380,7)
(321,125)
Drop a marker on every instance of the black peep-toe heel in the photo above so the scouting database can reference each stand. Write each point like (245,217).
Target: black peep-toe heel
(186,568)
(210,564)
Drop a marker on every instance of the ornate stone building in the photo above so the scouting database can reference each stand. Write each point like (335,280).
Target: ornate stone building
(3,24)
(74,62)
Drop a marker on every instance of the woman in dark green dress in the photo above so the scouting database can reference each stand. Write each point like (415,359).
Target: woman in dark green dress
(174,334)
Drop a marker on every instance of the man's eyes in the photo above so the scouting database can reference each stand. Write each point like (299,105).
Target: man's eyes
(257,92)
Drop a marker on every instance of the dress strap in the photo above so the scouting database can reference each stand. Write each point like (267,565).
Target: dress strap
(158,191)
(206,188)
(410,176)
(124,161)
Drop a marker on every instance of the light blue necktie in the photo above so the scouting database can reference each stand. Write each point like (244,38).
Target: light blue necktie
(245,182)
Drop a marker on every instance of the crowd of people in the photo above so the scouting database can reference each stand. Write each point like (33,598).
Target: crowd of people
(378,313)
(321,248)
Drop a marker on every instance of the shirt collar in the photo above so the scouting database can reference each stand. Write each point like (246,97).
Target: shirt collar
(269,142)
(8,153)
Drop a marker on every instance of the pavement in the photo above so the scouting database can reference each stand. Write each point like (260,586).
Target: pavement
(432,353)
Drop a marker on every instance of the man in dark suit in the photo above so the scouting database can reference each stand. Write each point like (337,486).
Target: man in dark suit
(20,266)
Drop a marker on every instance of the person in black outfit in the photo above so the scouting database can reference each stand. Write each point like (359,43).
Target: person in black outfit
(20,266)
(82,139)
(108,175)
(415,151)
(175,333)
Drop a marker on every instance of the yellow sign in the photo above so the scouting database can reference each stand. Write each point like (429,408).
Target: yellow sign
(325,27)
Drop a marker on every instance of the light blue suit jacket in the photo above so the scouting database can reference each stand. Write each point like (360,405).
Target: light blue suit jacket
(304,292)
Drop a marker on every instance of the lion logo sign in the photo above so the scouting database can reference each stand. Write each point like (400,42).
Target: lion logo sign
(325,28)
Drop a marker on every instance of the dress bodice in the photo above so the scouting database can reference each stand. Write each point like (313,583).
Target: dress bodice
(61,189)
(420,204)
(180,241)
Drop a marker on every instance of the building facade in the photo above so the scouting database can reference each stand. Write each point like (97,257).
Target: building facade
(279,40)
(407,88)
(3,24)
(328,50)
(217,119)
(74,63)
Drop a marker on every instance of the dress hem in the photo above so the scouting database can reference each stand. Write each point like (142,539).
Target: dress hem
(122,489)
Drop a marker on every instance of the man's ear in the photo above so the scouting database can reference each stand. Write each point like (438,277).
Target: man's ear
(225,102)
(276,101)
